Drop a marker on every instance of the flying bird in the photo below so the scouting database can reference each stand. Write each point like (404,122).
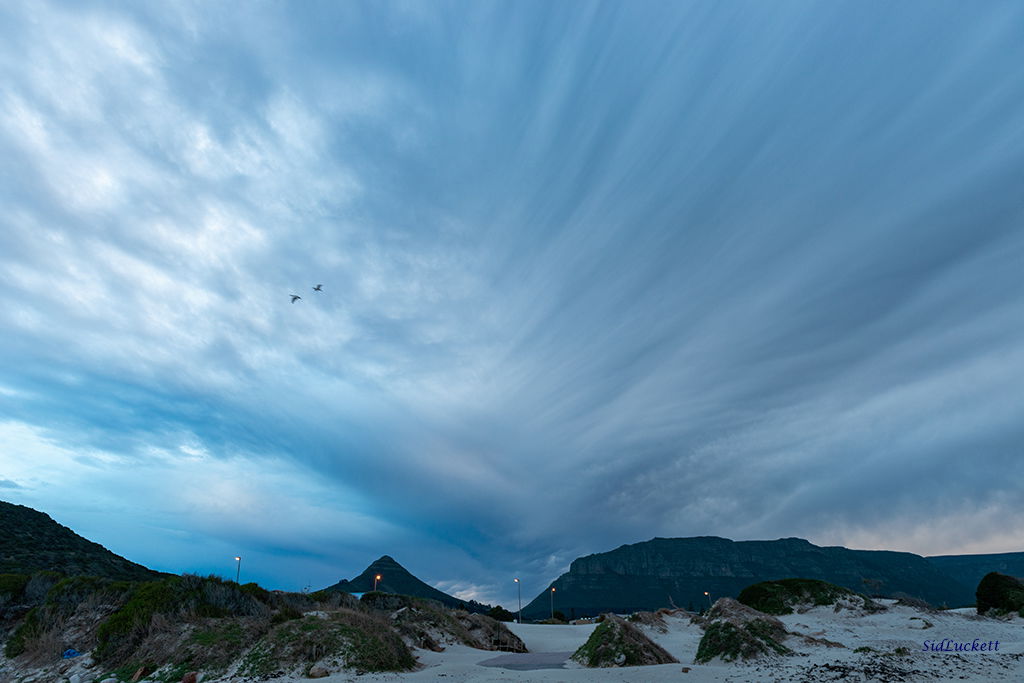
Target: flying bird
(295,297)
(318,288)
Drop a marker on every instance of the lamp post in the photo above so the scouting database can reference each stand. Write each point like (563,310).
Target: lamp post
(708,596)
(375,580)
(552,602)
(238,569)
(519,589)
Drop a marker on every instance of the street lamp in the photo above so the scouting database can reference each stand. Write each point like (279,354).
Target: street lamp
(708,596)
(238,569)
(375,580)
(552,602)
(519,589)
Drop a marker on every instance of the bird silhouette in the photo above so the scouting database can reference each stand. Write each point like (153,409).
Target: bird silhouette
(318,288)
(295,297)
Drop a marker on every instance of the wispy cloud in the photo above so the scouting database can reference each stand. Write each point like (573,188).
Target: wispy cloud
(591,274)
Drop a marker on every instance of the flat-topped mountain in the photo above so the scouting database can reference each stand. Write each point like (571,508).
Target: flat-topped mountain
(970,569)
(394,578)
(666,571)
(31,541)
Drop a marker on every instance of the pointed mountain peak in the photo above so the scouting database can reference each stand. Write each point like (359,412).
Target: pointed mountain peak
(394,578)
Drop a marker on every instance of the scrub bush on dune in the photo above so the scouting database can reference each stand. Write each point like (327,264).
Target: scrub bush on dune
(177,598)
(1000,593)
(345,638)
(781,596)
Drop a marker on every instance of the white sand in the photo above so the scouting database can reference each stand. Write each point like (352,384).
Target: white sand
(884,632)
(898,627)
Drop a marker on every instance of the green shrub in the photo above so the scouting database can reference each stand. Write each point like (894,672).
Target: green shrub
(57,598)
(364,642)
(778,597)
(29,629)
(188,596)
(118,635)
(606,648)
(616,642)
(730,642)
(39,584)
(12,587)
(256,591)
(284,614)
(224,633)
(70,592)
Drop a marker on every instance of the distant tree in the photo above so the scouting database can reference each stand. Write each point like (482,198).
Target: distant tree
(501,614)
(476,607)
(558,614)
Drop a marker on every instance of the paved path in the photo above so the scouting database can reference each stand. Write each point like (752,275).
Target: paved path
(529,661)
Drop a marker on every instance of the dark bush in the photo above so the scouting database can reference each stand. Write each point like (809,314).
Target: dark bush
(28,630)
(12,587)
(499,613)
(39,585)
(778,597)
(1000,592)
(284,614)
(256,591)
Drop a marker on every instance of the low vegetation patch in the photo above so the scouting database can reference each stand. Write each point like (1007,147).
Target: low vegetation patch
(731,642)
(59,604)
(345,638)
(734,631)
(428,624)
(177,624)
(616,642)
(12,587)
(780,597)
(175,598)
(29,629)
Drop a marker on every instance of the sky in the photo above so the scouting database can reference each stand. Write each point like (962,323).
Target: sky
(592,273)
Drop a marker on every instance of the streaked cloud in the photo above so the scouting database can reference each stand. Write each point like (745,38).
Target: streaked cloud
(592,273)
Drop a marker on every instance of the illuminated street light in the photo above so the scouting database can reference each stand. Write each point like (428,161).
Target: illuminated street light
(375,580)
(552,602)
(708,596)
(519,589)
(238,569)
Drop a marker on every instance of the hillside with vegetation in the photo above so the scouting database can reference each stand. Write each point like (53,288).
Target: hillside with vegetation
(179,624)
(31,541)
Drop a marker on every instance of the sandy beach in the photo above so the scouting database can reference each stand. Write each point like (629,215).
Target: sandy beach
(896,637)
